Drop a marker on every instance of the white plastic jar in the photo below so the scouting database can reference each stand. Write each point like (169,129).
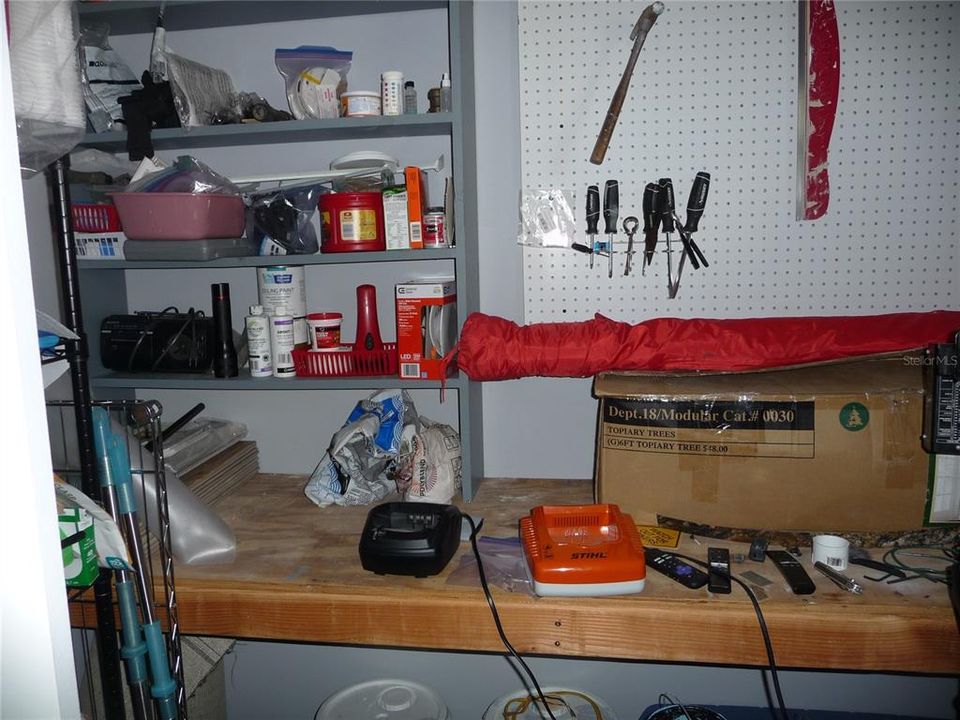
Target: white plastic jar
(360,103)
(391,92)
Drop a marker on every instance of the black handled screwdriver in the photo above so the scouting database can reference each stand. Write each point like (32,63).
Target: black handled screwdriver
(611,213)
(593,217)
(651,222)
(695,205)
(697,201)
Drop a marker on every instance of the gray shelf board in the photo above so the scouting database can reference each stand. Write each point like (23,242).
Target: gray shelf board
(356,128)
(139,16)
(265,260)
(165,381)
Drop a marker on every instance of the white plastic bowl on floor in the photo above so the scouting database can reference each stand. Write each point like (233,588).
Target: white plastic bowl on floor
(567,704)
(384,700)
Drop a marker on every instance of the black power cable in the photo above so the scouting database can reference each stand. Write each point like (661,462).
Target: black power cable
(763,631)
(474,531)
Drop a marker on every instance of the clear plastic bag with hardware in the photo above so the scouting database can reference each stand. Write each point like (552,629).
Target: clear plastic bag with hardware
(546,218)
(503,564)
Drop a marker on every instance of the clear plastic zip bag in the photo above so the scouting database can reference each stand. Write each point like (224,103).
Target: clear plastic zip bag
(546,218)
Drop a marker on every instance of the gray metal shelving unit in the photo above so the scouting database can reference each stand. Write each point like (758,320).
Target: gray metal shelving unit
(104,283)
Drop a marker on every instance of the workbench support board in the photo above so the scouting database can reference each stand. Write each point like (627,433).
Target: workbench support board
(715,89)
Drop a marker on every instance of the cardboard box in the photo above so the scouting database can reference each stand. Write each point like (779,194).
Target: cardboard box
(100,246)
(417,203)
(426,326)
(826,448)
(80,557)
(396,221)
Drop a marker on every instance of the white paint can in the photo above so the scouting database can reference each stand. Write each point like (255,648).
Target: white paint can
(285,286)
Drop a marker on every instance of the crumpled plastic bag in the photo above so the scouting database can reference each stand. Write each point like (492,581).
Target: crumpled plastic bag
(430,468)
(282,221)
(359,465)
(186,175)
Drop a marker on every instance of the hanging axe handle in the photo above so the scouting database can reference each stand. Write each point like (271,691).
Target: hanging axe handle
(647,18)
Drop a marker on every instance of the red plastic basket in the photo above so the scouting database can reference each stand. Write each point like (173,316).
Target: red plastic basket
(95,218)
(346,363)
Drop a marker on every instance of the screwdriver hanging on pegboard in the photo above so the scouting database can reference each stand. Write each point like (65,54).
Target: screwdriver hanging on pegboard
(593,217)
(651,223)
(695,205)
(611,212)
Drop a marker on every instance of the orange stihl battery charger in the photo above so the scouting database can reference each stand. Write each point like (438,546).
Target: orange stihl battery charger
(583,550)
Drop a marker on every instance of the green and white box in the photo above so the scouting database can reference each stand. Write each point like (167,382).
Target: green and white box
(80,557)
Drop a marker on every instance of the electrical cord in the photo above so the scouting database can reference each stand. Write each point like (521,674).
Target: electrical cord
(190,322)
(144,333)
(763,631)
(938,575)
(474,531)
(668,704)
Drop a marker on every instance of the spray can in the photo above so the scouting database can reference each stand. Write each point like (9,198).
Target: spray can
(258,343)
(285,286)
(446,96)
(281,343)
(391,92)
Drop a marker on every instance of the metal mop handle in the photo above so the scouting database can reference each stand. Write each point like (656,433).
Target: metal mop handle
(134,648)
(164,687)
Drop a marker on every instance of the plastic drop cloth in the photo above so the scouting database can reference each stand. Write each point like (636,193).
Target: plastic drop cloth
(47,95)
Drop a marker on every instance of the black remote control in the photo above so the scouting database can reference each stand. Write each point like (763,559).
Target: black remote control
(719,561)
(674,568)
(792,572)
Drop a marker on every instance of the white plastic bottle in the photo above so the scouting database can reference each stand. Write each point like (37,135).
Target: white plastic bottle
(282,343)
(258,343)
(391,92)
(446,96)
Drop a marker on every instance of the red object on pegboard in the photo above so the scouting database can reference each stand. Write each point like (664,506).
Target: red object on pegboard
(346,363)
(91,218)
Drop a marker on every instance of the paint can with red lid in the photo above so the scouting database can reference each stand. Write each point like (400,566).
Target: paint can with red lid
(351,222)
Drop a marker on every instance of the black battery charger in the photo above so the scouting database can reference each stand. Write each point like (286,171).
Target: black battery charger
(409,538)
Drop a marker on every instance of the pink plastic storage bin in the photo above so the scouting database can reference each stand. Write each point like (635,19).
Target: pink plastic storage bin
(179,216)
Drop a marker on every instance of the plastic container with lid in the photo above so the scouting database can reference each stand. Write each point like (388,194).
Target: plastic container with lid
(384,700)
(360,103)
(566,704)
(179,216)
(325,331)
(351,222)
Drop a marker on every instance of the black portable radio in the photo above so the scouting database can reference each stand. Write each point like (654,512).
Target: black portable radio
(157,342)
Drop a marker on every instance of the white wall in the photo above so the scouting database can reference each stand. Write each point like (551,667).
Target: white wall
(534,427)
(35,652)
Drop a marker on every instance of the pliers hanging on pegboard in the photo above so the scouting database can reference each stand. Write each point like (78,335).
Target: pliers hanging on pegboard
(669,220)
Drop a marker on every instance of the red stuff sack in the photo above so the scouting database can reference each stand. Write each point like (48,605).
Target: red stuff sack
(493,348)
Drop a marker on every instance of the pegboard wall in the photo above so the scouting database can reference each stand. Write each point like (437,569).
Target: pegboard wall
(715,89)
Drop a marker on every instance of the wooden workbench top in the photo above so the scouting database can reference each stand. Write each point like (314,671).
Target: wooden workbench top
(297,576)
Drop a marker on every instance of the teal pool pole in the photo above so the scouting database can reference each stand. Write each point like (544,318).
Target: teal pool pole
(134,649)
